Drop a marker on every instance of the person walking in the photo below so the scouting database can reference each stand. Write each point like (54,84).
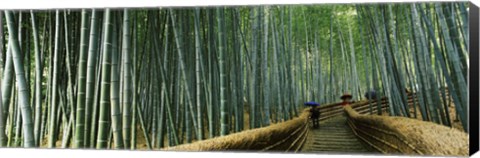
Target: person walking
(346,99)
(314,116)
(371,95)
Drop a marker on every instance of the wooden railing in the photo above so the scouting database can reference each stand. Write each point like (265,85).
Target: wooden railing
(331,110)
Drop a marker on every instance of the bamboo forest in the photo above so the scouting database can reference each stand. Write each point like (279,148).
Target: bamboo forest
(154,78)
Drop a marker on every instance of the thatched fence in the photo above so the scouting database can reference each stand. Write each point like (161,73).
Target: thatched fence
(400,135)
(286,136)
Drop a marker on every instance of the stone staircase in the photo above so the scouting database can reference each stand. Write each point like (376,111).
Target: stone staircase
(334,136)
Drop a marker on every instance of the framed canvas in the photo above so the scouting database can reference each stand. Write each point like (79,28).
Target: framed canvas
(244,78)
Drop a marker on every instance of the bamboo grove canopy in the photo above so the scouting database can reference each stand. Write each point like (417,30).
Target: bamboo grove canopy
(151,78)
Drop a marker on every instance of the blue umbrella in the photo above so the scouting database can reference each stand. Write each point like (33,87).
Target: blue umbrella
(311,103)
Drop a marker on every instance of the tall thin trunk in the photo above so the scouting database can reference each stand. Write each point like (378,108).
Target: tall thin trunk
(116,116)
(224,130)
(28,137)
(197,73)
(103,121)
(90,80)
(2,108)
(3,137)
(266,90)
(127,89)
(53,107)
(80,118)
(7,82)
(38,82)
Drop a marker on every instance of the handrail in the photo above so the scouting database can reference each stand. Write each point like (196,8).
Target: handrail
(369,134)
(408,136)
(302,130)
(290,133)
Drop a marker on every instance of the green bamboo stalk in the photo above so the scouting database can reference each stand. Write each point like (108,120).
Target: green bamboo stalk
(253,83)
(182,67)
(81,94)
(224,130)
(276,76)
(52,126)
(90,78)
(241,75)
(331,60)
(266,97)
(2,109)
(38,82)
(127,89)
(422,63)
(115,109)
(28,138)
(164,92)
(197,73)
(290,51)
(3,138)
(69,96)
(12,116)
(13,119)
(7,82)
(103,122)
(367,79)
(133,143)
(454,58)
(463,12)
(2,44)
(114,98)
(439,58)
(96,99)
(398,73)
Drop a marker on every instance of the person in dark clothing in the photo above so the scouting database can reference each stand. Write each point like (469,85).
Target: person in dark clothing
(346,99)
(371,95)
(315,115)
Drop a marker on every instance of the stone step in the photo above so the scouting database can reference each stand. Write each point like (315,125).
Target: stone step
(347,148)
(337,136)
(332,131)
(323,148)
(334,135)
(333,139)
(322,128)
(340,135)
(330,140)
(339,146)
(337,151)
